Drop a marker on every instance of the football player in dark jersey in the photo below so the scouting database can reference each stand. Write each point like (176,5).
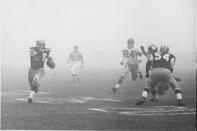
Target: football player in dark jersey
(151,50)
(163,62)
(38,56)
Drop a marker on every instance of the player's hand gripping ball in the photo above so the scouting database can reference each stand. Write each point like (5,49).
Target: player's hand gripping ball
(50,63)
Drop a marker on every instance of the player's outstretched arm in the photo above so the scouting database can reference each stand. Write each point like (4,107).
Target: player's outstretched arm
(143,50)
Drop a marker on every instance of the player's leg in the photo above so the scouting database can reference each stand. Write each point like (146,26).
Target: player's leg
(177,90)
(77,65)
(135,72)
(154,93)
(125,72)
(33,91)
(73,70)
(34,77)
(148,66)
(151,83)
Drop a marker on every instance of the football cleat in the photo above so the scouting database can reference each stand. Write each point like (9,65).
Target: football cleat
(140,102)
(29,100)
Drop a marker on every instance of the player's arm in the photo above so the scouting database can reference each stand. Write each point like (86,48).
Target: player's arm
(124,58)
(47,51)
(172,60)
(69,57)
(34,54)
(143,50)
(82,60)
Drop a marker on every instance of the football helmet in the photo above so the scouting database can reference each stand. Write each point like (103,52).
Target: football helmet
(40,44)
(164,49)
(130,43)
(152,48)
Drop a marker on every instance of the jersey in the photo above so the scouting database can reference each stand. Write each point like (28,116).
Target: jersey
(131,56)
(37,57)
(163,61)
(75,57)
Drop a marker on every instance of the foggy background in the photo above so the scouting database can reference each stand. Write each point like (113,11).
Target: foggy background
(99,27)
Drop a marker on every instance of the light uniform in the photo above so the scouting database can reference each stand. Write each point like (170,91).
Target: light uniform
(75,59)
(131,59)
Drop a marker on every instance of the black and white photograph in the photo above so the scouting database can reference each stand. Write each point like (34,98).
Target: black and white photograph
(98,65)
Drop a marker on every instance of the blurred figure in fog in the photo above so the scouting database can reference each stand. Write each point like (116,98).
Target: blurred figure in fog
(38,55)
(132,56)
(161,77)
(75,60)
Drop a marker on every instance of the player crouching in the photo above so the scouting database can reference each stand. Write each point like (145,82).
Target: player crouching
(161,77)
(38,56)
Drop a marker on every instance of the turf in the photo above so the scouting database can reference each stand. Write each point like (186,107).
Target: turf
(91,104)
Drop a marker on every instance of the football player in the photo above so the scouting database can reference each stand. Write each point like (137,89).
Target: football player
(151,50)
(75,59)
(162,74)
(38,55)
(132,56)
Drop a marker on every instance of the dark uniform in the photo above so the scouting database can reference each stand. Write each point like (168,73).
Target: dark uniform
(36,72)
(162,71)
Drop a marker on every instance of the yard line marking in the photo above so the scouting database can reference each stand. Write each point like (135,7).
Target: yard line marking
(6,93)
(77,101)
(163,111)
(42,101)
(97,109)
(112,100)
(21,99)
(27,91)
(97,99)
(150,114)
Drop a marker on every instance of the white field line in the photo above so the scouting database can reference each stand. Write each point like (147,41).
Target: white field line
(27,91)
(19,92)
(43,101)
(4,93)
(97,109)
(163,111)
(97,99)
(136,114)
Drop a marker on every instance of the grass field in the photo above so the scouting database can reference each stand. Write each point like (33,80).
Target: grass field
(91,104)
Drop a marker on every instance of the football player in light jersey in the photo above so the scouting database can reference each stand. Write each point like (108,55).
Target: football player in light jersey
(38,56)
(132,56)
(75,59)
(161,77)
(151,50)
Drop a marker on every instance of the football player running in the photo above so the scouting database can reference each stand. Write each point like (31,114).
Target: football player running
(161,76)
(132,56)
(38,56)
(75,59)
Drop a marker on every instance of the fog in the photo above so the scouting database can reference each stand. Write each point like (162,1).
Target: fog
(99,27)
